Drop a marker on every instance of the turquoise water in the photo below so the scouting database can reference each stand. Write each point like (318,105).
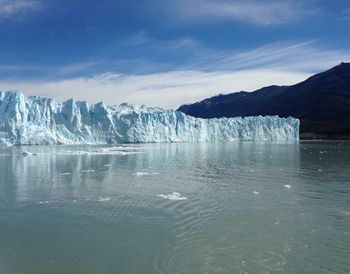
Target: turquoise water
(176,208)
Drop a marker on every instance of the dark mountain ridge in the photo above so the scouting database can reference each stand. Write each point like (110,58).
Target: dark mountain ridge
(321,102)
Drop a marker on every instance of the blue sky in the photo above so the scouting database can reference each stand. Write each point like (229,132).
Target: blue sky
(162,52)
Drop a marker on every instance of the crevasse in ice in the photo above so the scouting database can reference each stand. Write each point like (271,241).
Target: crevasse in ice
(36,120)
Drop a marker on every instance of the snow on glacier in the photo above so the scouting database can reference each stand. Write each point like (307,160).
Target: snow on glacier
(36,120)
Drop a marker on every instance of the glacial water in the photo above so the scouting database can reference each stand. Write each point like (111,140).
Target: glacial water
(176,208)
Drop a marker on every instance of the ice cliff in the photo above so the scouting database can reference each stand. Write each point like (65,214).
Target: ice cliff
(36,120)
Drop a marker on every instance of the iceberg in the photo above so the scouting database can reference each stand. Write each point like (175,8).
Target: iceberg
(43,121)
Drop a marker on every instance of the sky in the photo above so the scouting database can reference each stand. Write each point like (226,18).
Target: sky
(166,52)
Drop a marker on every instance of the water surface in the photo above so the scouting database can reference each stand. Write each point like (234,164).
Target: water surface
(176,208)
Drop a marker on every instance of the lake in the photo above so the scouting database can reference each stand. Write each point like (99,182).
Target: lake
(176,208)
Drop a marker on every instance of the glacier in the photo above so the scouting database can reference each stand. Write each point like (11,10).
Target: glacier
(36,120)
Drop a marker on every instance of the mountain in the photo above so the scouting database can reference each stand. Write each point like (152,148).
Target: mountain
(36,120)
(322,103)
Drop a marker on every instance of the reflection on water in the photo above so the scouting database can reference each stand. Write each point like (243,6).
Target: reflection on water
(176,208)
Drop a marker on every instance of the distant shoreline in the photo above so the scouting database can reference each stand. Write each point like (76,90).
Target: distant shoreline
(323,136)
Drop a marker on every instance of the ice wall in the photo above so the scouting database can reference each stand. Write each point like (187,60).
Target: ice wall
(35,120)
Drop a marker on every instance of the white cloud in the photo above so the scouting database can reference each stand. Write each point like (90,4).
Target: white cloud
(250,11)
(58,71)
(304,56)
(345,15)
(169,89)
(17,7)
(143,39)
(209,73)
(300,56)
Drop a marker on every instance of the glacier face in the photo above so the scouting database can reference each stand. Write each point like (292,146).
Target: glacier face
(36,120)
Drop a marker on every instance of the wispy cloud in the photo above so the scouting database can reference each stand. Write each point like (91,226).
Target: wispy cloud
(142,38)
(69,70)
(168,89)
(206,72)
(10,8)
(250,11)
(307,56)
(345,15)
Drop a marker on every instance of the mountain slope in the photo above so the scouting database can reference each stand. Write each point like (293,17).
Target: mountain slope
(322,103)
